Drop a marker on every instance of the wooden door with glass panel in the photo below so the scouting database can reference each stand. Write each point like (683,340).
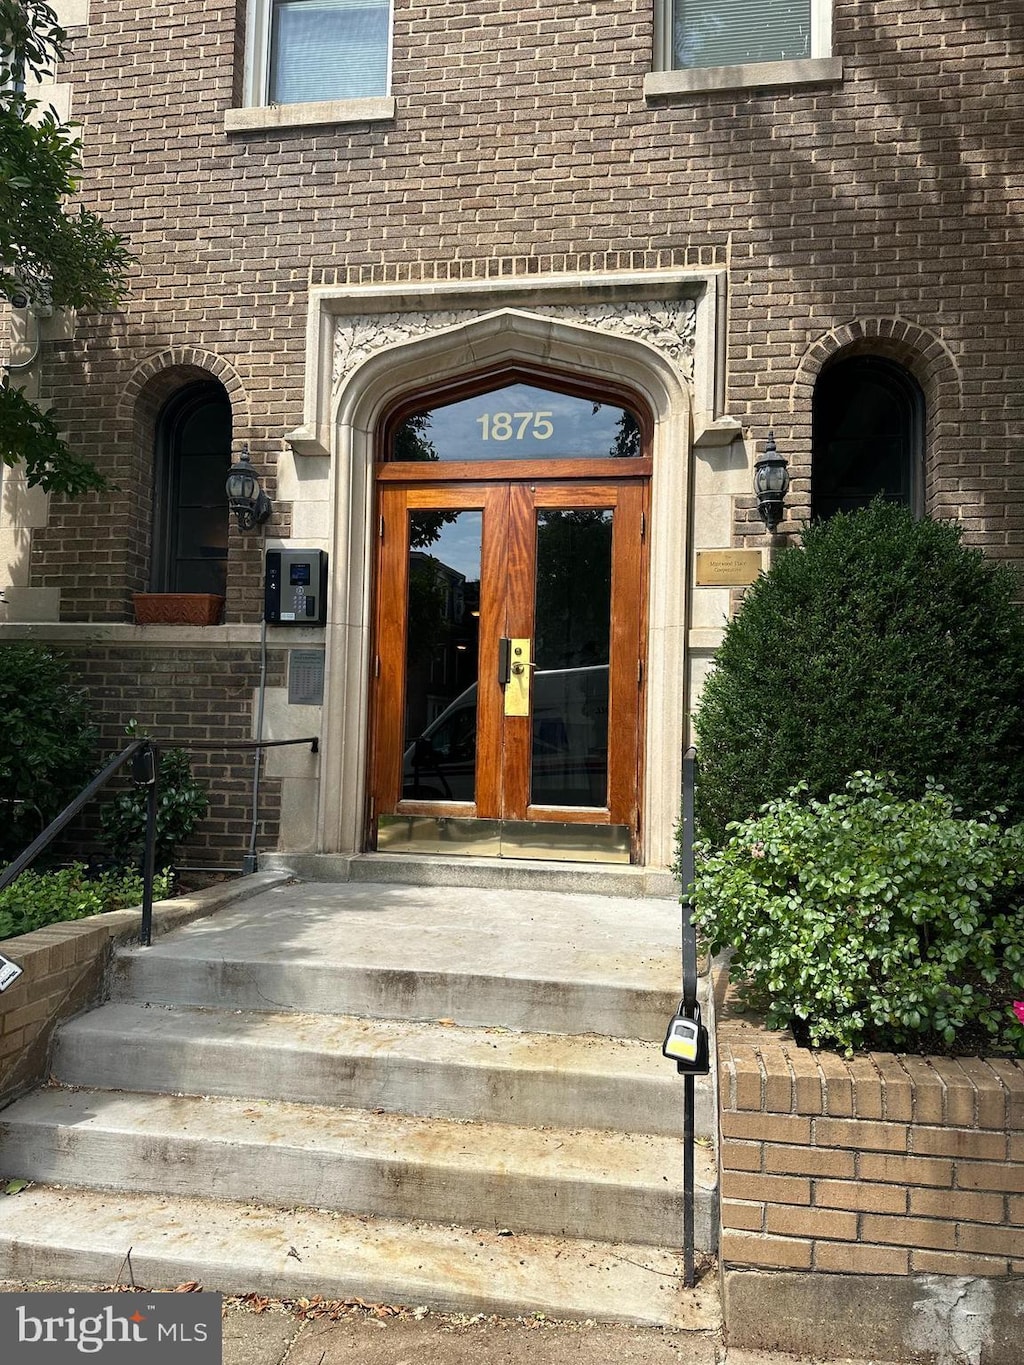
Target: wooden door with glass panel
(510,631)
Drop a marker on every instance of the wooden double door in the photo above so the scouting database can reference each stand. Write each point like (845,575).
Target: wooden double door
(508,692)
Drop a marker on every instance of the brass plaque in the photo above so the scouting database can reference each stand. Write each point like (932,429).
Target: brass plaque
(727,568)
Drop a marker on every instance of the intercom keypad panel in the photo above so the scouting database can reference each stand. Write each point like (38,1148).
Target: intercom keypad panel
(295,591)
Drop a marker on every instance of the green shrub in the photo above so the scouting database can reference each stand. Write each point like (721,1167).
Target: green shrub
(181,804)
(47,744)
(872,920)
(883,643)
(39,898)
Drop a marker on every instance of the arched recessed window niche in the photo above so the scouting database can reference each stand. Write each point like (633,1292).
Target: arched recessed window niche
(190,521)
(867,436)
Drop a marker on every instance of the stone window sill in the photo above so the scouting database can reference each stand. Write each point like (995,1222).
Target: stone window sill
(753,75)
(269,117)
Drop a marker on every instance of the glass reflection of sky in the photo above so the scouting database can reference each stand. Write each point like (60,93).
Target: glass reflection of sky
(473,430)
(458,545)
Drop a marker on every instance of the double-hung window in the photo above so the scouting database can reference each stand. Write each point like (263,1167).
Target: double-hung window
(328,50)
(718,44)
(313,60)
(729,32)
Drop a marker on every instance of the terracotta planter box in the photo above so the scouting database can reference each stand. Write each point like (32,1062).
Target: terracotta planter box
(177,608)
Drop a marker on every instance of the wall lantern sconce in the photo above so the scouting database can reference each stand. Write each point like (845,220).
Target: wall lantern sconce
(771,483)
(246,498)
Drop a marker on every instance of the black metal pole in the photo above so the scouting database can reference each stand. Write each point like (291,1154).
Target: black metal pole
(689,947)
(149,854)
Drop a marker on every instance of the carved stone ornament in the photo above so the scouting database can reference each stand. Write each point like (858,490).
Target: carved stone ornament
(670,327)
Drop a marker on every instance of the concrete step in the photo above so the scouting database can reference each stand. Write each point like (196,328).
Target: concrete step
(504,874)
(598,1185)
(82,1236)
(436,1070)
(553,963)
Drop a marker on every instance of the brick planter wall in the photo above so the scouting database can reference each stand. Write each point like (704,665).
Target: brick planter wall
(873,1205)
(64,968)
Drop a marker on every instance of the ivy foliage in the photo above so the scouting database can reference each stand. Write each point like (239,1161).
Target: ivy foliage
(872,920)
(40,898)
(47,743)
(880,643)
(64,257)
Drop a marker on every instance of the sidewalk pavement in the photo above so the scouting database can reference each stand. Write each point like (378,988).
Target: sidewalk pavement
(277,1337)
(260,1331)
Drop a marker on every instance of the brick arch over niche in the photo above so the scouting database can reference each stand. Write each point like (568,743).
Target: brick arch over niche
(150,385)
(160,375)
(922,353)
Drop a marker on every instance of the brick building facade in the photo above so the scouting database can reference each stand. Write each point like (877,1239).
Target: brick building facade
(520,194)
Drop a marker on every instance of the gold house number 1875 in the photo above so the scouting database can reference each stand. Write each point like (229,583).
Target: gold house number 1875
(515,426)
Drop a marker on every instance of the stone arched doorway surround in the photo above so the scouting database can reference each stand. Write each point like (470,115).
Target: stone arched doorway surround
(923,353)
(506,337)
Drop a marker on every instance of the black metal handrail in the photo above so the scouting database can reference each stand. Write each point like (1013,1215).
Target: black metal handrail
(144,756)
(250,861)
(312,740)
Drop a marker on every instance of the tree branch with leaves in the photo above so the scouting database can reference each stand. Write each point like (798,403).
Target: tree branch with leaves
(51,254)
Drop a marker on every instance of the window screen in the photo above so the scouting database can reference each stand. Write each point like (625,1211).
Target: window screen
(731,32)
(329,50)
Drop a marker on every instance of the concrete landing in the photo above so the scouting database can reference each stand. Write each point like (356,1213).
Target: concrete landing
(538,961)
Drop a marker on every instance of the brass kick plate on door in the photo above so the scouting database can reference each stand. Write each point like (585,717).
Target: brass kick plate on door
(517,688)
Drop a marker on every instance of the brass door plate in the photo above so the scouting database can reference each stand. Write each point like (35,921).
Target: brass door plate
(517,689)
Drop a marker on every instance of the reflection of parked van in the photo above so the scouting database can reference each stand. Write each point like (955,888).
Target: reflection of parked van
(569,720)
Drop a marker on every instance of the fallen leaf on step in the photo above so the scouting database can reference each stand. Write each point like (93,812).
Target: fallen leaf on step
(189,1287)
(448,1023)
(15,1186)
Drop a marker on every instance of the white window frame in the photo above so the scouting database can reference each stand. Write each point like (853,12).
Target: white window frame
(819,67)
(258,113)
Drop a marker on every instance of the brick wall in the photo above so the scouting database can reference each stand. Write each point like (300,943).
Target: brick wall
(879,1165)
(194,697)
(882,211)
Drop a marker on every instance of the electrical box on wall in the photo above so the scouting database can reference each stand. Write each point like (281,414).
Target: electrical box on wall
(295,588)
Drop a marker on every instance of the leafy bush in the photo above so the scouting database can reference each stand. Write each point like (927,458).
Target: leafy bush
(181,804)
(883,644)
(872,920)
(39,898)
(47,743)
